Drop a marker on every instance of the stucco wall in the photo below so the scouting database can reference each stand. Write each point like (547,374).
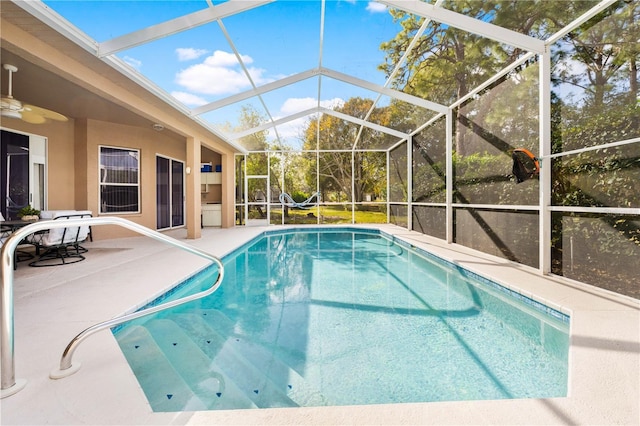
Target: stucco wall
(150,143)
(73,158)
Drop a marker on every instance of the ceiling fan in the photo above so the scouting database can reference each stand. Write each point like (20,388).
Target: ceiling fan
(13,108)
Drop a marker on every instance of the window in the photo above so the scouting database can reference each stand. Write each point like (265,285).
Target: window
(119,180)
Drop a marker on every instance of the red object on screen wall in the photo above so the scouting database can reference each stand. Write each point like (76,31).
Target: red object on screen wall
(525,164)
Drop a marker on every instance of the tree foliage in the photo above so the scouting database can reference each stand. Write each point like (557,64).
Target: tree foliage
(595,101)
(338,165)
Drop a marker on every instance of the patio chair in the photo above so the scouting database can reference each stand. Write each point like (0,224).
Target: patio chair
(5,230)
(19,254)
(60,246)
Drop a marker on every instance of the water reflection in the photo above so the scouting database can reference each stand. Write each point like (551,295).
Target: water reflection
(335,318)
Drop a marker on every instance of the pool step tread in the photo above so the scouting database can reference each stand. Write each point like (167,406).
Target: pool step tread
(214,385)
(281,375)
(225,326)
(268,358)
(165,392)
(264,392)
(298,387)
(165,382)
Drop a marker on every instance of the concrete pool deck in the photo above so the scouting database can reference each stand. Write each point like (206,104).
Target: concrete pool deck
(54,304)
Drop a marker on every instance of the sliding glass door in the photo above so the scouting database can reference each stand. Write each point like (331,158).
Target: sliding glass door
(170,197)
(22,173)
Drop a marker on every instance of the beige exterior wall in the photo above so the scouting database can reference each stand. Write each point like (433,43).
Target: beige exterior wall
(73,162)
(150,143)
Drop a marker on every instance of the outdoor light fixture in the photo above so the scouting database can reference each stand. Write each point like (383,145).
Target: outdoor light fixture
(157,127)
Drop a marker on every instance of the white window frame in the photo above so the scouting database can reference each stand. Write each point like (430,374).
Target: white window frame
(101,183)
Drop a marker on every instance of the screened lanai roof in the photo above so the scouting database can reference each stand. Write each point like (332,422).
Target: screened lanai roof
(244,67)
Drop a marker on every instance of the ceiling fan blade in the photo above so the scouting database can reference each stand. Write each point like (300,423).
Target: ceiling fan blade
(33,118)
(32,110)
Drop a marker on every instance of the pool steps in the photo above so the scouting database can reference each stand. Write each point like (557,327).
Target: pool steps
(247,377)
(167,386)
(224,370)
(169,390)
(262,360)
(210,382)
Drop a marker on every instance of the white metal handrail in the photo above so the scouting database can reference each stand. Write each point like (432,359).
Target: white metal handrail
(9,385)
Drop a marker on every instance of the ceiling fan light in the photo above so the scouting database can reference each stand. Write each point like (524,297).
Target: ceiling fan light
(10,113)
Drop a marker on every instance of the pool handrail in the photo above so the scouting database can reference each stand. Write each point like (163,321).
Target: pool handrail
(9,384)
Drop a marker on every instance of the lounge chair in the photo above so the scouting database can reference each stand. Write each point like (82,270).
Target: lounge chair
(60,246)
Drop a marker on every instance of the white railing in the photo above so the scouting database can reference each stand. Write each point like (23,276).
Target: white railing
(10,385)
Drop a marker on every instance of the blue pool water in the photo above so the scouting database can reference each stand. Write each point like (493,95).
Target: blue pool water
(327,317)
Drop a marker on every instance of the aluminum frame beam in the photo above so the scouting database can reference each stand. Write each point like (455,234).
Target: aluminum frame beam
(364,123)
(599,8)
(317,110)
(396,94)
(305,75)
(270,124)
(177,25)
(269,87)
(466,23)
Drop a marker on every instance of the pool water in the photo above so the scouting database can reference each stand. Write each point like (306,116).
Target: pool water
(328,317)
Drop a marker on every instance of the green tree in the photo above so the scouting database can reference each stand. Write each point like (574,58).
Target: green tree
(607,51)
(337,168)
(447,62)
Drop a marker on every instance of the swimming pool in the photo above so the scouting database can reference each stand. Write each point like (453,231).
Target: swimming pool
(338,317)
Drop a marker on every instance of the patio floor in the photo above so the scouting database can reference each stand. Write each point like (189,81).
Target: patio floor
(54,304)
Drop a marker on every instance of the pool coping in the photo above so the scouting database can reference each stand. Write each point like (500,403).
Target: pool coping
(604,353)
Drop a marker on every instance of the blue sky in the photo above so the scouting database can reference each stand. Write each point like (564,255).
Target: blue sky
(275,40)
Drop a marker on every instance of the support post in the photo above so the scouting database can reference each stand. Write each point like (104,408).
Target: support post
(353,186)
(410,183)
(194,228)
(388,187)
(544,243)
(449,176)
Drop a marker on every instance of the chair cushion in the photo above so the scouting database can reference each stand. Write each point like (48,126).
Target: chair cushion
(54,236)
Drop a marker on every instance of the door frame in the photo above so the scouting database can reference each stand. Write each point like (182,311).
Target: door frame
(38,194)
(258,204)
(172,160)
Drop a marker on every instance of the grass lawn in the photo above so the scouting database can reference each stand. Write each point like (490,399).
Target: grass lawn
(328,215)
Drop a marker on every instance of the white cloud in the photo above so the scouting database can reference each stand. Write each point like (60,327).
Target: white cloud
(293,105)
(189,53)
(220,74)
(135,63)
(189,98)
(226,59)
(333,103)
(375,7)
